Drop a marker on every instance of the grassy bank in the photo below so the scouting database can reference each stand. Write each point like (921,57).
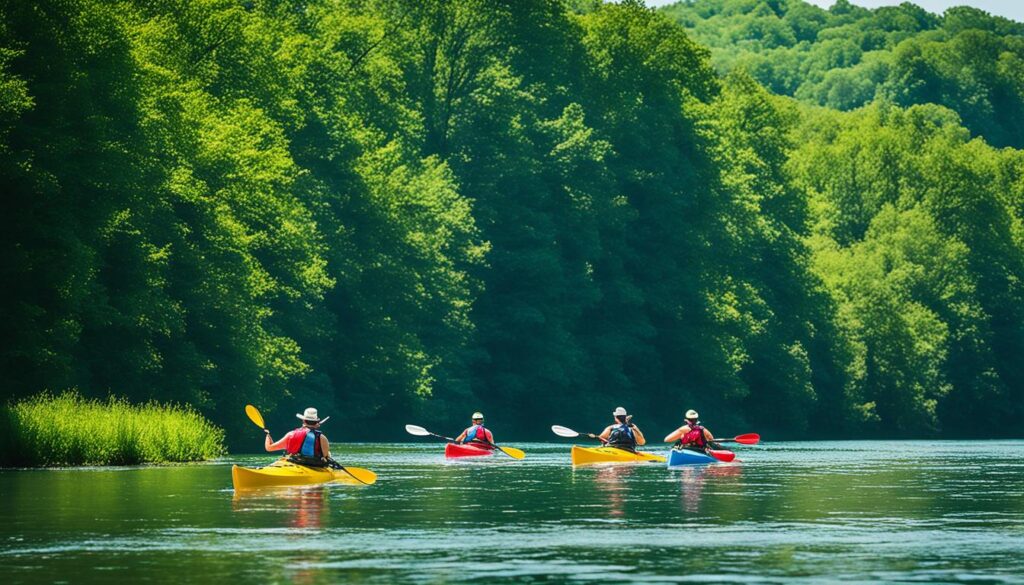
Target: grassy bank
(67,429)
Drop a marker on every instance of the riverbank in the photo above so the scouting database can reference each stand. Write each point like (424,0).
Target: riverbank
(66,429)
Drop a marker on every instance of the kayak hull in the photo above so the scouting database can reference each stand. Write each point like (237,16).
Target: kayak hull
(589,455)
(678,457)
(453,451)
(285,473)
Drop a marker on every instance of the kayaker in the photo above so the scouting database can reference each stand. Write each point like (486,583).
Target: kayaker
(477,434)
(306,445)
(623,434)
(692,435)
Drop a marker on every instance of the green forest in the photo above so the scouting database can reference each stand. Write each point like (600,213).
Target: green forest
(801,222)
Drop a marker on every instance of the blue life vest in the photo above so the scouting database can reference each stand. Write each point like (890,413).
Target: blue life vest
(622,437)
(309,445)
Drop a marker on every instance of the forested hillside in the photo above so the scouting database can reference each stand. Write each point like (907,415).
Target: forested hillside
(847,56)
(399,209)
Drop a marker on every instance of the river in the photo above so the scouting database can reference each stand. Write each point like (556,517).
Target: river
(789,512)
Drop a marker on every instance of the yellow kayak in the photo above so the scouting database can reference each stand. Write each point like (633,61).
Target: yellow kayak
(586,455)
(283,473)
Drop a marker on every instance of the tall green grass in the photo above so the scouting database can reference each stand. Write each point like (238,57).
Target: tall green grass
(67,429)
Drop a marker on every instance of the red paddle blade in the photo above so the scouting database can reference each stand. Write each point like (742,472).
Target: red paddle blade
(748,439)
(723,455)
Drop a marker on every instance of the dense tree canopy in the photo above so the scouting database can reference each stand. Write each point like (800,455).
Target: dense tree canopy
(846,56)
(399,209)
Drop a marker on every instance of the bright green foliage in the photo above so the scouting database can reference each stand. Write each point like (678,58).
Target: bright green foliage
(396,209)
(843,57)
(918,243)
(47,430)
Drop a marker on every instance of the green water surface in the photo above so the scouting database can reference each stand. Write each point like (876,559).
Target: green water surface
(790,512)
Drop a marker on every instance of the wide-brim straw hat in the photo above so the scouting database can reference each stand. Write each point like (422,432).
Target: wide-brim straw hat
(311,415)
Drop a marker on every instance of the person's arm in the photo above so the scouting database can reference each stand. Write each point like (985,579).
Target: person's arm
(712,443)
(677,434)
(271,446)
(606,433)
(325,447)
(461,437)
(640,440)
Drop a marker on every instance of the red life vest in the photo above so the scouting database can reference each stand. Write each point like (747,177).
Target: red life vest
(297,437)
(695,437)
(480,436)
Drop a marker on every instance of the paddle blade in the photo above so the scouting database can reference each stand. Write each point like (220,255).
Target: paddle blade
(722,455)
(255,416)
(364,475)
(418,431)
(563,431)
(748,439)
(512,452)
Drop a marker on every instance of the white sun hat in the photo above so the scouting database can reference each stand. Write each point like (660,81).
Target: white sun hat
(691,414)
(620,411)
(311,415)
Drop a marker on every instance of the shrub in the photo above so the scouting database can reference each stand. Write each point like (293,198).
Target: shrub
(66,429)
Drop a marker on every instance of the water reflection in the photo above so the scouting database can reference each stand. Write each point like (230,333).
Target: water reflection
(610,480)
(693,478)
(305,511)
(792,512)
(305,507)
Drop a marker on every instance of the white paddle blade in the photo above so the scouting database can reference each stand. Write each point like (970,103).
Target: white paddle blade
(418,431)
(563,431)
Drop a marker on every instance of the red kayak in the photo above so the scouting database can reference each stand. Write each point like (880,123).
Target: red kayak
(452,450)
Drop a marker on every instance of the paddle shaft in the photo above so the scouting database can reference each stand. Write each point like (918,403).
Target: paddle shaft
(498,447)
(335,465)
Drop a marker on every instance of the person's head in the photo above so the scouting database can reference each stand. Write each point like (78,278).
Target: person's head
(310,418)
(620,415)
(692,417)
(478,418)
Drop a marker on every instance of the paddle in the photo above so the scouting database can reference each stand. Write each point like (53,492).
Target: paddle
(255,416)
(359,474)
(422,432)
(747,439)
(569,433)
(722,455)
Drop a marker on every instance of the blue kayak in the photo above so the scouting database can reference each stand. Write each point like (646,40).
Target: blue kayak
(677,457)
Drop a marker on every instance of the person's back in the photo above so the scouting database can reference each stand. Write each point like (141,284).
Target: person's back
(476,434)
(623,434)
(306,445)
(691,435)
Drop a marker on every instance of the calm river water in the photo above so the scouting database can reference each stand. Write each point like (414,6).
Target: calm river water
(790,512)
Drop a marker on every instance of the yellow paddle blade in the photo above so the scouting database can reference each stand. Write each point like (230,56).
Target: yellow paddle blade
(513,452)
(364,475)
(255,416)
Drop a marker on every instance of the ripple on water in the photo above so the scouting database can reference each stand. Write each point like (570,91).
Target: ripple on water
(791,512)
